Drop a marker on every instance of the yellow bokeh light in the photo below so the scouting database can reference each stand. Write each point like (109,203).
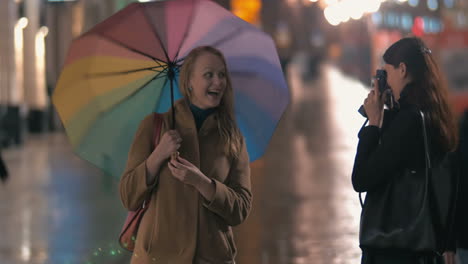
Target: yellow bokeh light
(248,10)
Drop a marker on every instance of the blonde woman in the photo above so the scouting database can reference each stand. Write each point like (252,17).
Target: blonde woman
(198,195)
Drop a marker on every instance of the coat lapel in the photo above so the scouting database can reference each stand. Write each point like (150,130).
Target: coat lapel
(185,125)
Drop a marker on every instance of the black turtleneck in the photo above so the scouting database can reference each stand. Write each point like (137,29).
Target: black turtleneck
(200,115)
(403,101)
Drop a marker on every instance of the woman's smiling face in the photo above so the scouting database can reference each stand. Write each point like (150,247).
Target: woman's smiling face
(207,81)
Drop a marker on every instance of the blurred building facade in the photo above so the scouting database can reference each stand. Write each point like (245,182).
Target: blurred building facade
(11,86)
(363,33)
(442,24)
(36,35)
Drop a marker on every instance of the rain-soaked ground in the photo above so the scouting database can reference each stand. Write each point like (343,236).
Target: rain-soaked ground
(57,209)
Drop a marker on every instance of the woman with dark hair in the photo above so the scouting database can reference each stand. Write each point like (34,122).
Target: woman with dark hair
(393,141)
(199,194)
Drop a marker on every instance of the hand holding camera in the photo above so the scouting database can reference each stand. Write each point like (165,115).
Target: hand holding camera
(380,95)
(374,107)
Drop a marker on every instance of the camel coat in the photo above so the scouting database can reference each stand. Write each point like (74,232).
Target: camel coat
(180,226)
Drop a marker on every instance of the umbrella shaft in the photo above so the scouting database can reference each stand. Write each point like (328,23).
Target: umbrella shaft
(171,76)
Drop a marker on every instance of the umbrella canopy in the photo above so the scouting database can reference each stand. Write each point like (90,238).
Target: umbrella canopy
(127,67)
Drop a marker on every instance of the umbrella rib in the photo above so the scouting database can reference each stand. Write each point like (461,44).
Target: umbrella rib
(155,31)
(137,90)
(129,48)
(179,62)
(186,33)
(103,74)
(160,64)
(164,70)
(176,82)
(160,76)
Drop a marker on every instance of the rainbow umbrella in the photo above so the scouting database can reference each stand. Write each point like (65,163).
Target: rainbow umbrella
(128,66)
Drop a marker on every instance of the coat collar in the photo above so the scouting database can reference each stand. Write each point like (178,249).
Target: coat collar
(404,101)
(404,95)
(185,119)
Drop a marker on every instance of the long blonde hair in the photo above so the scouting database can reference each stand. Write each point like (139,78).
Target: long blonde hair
(227,125)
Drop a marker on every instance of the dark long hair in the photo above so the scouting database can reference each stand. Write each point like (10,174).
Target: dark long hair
(428,90)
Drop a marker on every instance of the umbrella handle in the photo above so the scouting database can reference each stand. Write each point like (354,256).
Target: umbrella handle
(171,75)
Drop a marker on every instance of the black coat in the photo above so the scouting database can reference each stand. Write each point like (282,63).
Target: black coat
(383,153)
(461,229)
(401,146)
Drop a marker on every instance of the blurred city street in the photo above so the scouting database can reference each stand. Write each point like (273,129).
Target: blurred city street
(56,208)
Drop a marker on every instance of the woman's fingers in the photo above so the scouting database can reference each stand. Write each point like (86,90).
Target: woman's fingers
(174,140)
(184,161)
(176,163)
(175,171)
(173,132)
(369,96)
(179,174)
(174,136)
(376,87)
(183,166)
(373,96)
(171,168)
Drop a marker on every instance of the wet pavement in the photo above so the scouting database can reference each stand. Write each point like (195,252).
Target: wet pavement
(58,209)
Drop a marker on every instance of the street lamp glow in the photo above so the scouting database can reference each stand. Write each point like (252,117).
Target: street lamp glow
(432,4)
(372,6)
(356,8)
(41,67)
(344,17)
(413,3)
(356,15)
(44,31)
(331,2)
(18,93)
(22,23)
(337,12)
(331,16)
(341,10)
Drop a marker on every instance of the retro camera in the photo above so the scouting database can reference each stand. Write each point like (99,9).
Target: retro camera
(381,77)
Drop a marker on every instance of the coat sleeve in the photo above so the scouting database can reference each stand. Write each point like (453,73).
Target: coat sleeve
(454,222)
(460,230)
(232,201)
(133,186)
(378,158)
